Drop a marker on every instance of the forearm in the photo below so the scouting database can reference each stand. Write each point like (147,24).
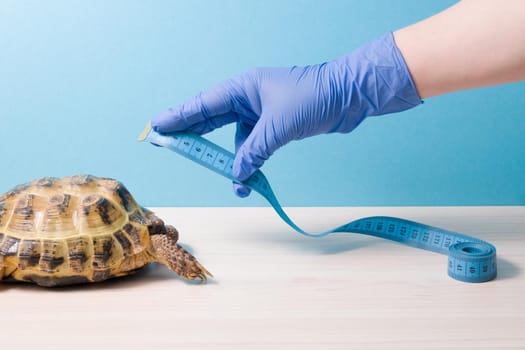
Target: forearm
(472,44)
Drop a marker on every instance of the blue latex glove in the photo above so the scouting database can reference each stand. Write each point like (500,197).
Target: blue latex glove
(273,106)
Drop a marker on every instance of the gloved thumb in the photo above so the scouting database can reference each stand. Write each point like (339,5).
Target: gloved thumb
(242,133)
(255,150)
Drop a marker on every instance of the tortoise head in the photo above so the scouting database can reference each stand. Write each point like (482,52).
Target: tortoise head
(167,251)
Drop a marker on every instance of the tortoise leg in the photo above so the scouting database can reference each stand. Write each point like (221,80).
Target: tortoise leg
(172,232)
(155,225)
(166,251)
(5,270)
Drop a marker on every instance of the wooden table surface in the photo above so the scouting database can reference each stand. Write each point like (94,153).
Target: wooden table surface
(275,289)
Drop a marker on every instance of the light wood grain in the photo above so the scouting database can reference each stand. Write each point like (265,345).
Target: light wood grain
(275,289)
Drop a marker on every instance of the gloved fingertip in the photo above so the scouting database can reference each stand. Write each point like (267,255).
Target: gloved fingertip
(167,121)
(241,191)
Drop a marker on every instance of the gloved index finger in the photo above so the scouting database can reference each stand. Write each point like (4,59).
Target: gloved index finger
(199,109)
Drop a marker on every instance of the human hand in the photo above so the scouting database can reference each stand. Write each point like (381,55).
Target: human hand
(273,106)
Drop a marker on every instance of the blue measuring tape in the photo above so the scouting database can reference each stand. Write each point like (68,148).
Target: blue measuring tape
(469,259)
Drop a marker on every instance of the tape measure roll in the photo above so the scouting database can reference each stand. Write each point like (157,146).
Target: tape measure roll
(469,259)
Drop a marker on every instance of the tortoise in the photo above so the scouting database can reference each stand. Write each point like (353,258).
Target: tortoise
(83,228)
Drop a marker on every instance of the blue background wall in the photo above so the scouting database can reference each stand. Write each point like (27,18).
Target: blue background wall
(80,79)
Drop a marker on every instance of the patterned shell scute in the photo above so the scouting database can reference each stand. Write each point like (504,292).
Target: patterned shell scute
(75,223)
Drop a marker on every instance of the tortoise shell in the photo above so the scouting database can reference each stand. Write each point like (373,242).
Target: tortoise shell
(72,230)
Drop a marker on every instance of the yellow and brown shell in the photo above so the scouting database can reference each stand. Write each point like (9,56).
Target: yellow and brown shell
(72,230)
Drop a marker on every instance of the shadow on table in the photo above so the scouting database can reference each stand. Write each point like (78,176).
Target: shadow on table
(507,269)
(333,244)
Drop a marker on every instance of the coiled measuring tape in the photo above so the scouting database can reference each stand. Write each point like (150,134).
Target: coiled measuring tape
(469,259)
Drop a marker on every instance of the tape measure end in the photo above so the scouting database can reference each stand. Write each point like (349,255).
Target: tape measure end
(145,132)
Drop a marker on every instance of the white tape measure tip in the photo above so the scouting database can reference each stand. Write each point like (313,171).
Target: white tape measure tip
(145,132)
